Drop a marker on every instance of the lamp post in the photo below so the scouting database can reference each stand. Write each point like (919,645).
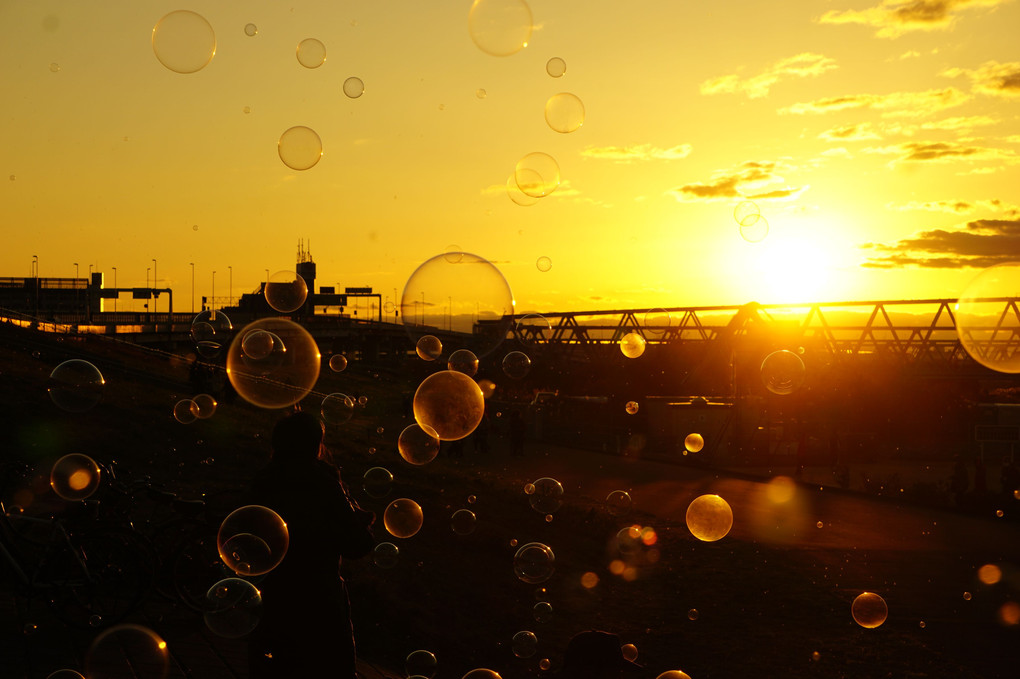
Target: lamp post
(35,266)
(230,286)
(192,287)
(212,297)
(115,287)
(76,286)
(147,270)
(155,278)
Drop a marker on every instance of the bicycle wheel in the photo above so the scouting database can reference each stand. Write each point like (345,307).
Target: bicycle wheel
(113,577)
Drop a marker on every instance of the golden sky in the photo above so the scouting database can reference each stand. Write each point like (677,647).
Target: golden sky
(879,140)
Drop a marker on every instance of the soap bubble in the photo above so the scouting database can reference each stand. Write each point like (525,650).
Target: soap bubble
(629,652)
(418,444)
(518,196)
(632,345)
(300,148)
(428,348)
(420,663)
(464,361)
(537,174)
(709,518)
(354,87)
(183,41)
(450,403)
(869,610)
(500,27)
(564,112)
(463,522)
(461,292)
(252,540)
(75,386)
(282,378)
(251,30)
(657,322)
(619,502)
(336,408)
(746,213)
(542,611)
(782,372)
(524,644)
(337,363)
(203,406)
(75,477)
(385,555)
(516,365)
(632,407)
(756,232)
(64,674)
(481,93)
(543,264)
(986,326)
(211,330)
(533,329)
(233,608)
(311,53)
(127,645)
(286,291)
(556,67)
(184,411)
(546,495)
(377,482)
(403,518)
(694,443)
(534,563)
(673,674)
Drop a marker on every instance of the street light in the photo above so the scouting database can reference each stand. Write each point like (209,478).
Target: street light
(35,266)
(115,287)
(230,286)
(155,279)
(192,287)
(76,286)
(212,297)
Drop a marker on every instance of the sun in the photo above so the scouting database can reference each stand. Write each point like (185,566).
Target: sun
(786,269)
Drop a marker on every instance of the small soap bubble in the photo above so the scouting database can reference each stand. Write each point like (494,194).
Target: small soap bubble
(418,444)
(311,53)
(127,645)
(336,408)
(967,596)
(463,360)
(54,67)
(500,27)
(692,614)
(75,477)
(300,147)
(252,540)
(619,502)
(632,345)
(75,386)
(251,30)
(543,264)
(518,196)
(420,663)
(537,174)
(524,644)
(983,323)
(337,363)
(449,402)
(516,365)
(694,443)
(463,522)
(534,563)
(403,518)
(544,664)
(233,608)
(354,87)
(480,93)
(746,213)
(630,652)
(564,112)
(546,495)
(185,411)
(556,67)
(204,406)
(632,407)
(709,518)
(542,611)
(756,232)
(385,555)
(869,610)
(428,348)
(472,499)
(782,372)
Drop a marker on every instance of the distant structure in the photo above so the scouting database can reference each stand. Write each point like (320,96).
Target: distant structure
(50,298)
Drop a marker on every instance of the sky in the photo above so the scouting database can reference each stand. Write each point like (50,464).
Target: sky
(879,140)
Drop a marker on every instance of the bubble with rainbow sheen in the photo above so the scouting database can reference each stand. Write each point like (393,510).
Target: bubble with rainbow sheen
(403,518)
(450,403)
(709,518)
(75,477)
(233,608)
(418,443)
(75,386)
(869,610)
(252,540)
(632,345)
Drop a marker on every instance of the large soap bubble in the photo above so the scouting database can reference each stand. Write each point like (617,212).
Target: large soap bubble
(534,563)
(782,372)
(75,385)
(403,518)
(450,403)
(420,663)
(869,610)
(462,293)
(252,540)
(985,323)
(75,476)
(127,646)
(709,518)
(500,27)
(285,375)
(286,291)
(183,41)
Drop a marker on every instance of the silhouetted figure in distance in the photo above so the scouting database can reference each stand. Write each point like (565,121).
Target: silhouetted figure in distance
(306,630)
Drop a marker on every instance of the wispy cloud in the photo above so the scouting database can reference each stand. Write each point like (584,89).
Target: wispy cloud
(941,152)
(894,104)
(845,133)
(980,243)
(999,80)
(893,18)
(637,153)
(804,65)
(959,207)
(752,179)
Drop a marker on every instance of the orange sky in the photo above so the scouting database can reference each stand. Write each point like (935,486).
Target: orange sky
(879,141)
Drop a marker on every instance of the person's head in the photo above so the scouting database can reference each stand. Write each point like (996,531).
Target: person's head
(594,655)
(297,436)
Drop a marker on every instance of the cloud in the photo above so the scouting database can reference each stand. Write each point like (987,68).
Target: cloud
(858,132)
(1000,80)
(980,243)
(894,104)
(751,179)
(956,206)
(637,152)
(803,65)
(940,152)
(893,18)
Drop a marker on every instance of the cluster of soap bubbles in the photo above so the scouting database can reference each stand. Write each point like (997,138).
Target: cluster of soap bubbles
(753,226)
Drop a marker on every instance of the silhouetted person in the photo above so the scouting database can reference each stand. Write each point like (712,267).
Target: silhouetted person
(517,429)
(595,655)
(306,628)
